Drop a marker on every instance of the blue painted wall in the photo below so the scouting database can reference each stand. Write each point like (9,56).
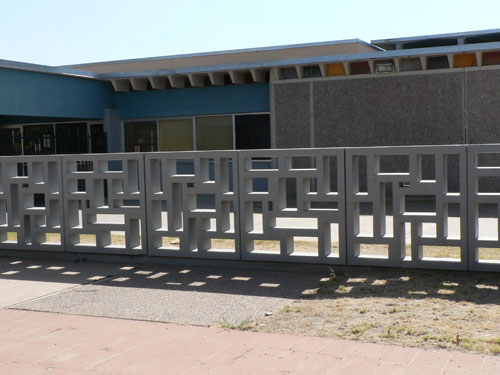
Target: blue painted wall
(194,101)
(24,93)
(32,94)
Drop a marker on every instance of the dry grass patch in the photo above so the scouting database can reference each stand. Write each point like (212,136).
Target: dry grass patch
(453,310)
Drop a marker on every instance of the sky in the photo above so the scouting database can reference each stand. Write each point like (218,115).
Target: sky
(63,32)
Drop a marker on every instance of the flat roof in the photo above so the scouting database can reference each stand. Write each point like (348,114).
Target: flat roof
(480,36)
(247,55)
(269,57)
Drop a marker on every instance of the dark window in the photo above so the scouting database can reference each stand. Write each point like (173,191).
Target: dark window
(140,136)
(10,142)
(411,64)
(361,67)
(71,138)
(98,139)
(289,73)
(491,58)
(39,140)
(438,62)
(253,132)
(312,71)
(214,133)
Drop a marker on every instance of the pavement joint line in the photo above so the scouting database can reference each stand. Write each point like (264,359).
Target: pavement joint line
(14,306)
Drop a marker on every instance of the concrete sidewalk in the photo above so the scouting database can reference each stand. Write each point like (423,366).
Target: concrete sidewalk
(47,343)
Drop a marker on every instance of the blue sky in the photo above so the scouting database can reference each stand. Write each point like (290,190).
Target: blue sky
(58,32)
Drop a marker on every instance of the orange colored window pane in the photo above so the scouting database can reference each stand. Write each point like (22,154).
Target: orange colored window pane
(464,60)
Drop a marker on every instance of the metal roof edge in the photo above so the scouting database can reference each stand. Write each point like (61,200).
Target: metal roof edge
(222,52)
(435,36)
(305,60)
(17,65)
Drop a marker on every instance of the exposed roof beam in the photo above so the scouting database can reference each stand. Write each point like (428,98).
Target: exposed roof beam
(139,84)
(371,65)
(177,82)
(274,74)
(158,83)
(451,60)
(196,80)
(397,65)
(237,78)
(298,69)
(479,58)
(347,68)
(322,68)
(121,85)
(423,62)
(258,75)
(217,79)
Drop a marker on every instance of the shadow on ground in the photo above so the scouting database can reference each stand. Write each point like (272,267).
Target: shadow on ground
(164,293)
(479,288)
(173,277)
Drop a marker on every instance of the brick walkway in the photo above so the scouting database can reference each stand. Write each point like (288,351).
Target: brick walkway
(47,343)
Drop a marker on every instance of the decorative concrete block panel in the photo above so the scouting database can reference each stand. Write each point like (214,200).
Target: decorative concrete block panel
(31,209)
(292,205)
(104,203)
(402,208)
(192,204)
(484,207)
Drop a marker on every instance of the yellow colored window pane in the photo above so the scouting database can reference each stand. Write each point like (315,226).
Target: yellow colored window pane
(214,133)
(335,70)
(176,135)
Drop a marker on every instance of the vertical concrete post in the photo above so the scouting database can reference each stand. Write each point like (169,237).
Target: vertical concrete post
(113,129)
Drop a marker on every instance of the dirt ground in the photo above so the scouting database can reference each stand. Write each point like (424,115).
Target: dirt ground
(453,310)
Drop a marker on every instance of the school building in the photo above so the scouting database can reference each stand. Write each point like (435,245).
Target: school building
(437,89)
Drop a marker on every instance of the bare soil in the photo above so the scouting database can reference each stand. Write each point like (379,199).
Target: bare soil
(455,310)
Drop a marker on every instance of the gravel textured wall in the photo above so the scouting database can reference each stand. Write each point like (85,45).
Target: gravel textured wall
(483,106)
(395,110)
(292,113)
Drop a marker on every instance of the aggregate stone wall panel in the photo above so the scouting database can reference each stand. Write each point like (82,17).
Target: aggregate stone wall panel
(292,115)
(483,106)
(104,203)
(307,226)
(31,205)
(406,109)
(193,204)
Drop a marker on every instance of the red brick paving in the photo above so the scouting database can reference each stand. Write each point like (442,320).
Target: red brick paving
(35,343)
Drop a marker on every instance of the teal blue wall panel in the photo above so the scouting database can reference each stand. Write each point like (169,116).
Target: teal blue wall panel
(24,93)
(194,101)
